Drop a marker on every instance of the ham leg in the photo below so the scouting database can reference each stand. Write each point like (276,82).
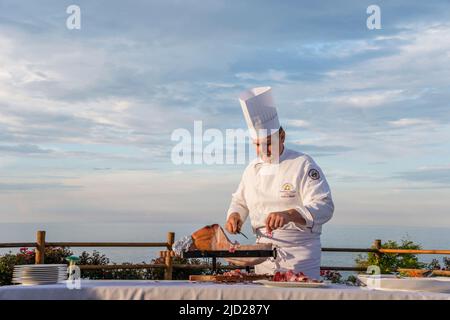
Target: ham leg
(213,237)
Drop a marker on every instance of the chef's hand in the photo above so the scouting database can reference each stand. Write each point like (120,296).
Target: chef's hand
(276,220)
(234,223)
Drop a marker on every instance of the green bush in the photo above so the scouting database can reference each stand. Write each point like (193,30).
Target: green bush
(389,262)
(7,263)
(435,264)
(25,256)
(446,263)
(336,277)
(135,274)
(180,274)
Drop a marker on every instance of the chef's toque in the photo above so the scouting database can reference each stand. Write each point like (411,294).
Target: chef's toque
(260,112)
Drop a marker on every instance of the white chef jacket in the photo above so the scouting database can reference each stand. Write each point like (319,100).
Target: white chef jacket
(294,182)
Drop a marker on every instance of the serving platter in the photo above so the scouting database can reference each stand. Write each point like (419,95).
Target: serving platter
(291,284)
(393,282)
(228,279)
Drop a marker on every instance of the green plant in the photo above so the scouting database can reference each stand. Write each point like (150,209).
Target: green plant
(390,262)
(446,263)
(331,275)
(26,256)
(434,265)
(96,258)
(336,277)
(7,263)
(178,273)
(352,280)
(57,255)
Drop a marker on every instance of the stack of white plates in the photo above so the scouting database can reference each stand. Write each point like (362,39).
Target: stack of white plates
(35,274)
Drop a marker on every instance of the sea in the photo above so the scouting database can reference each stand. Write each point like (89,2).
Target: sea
(332,236)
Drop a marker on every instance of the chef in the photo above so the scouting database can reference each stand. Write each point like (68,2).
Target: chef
(283,192)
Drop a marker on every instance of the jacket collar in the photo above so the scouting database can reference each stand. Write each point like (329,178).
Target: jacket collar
(283,156)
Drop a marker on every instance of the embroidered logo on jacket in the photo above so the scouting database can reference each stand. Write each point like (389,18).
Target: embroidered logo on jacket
(287,191)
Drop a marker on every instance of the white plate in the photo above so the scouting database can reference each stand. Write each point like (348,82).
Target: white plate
(35,283)
(39,269)
(58,274)
(39,272)
(40,265)
(392,282)
(39,278)
(291,284)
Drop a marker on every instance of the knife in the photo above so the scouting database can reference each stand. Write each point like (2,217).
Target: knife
(243,234)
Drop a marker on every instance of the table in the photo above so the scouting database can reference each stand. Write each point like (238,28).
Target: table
(185,290)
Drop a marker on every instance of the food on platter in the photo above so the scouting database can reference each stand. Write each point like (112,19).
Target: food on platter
(234,276)
(291,276)
(291,279)
(279,279)
(244,274)
(414,273)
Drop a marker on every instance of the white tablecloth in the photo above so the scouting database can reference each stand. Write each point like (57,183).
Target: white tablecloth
(176,290)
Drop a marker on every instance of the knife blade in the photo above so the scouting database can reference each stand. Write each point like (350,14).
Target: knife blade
(243,234)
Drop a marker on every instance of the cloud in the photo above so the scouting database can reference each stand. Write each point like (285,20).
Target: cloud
(322,150)
(437,176)
(410,122)
(22,187)
(24,148)
(108,97)
(361,104)
(122,195)
(371,99)
(298,123)
(270,76)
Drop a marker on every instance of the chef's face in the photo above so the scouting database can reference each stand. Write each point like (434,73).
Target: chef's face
(271,147)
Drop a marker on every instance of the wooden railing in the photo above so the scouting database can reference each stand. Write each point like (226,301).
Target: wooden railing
(168,254)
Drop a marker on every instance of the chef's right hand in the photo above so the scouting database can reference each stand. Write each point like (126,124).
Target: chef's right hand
(234,223)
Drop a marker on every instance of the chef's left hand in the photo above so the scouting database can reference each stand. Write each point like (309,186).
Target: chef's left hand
(276,220)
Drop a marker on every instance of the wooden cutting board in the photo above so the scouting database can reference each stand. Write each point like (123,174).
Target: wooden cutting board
(222,278)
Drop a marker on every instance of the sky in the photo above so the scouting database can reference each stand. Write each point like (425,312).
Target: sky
(86,116)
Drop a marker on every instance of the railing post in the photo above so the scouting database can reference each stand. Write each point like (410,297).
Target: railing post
(168,258)
(377,246)
(40,248)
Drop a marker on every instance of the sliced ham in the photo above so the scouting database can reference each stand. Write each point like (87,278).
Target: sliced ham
(291,276)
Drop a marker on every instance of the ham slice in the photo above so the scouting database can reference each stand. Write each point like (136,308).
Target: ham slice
(213,237)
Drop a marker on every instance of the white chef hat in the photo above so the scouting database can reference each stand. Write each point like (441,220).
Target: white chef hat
(260,112)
